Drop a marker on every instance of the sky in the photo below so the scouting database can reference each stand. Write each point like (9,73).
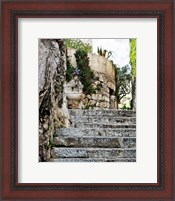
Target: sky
(120,49)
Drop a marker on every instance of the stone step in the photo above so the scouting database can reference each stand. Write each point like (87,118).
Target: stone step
(92,153)
(110,112)
(105,142)
(99,125)
(93,160)
(116,132)
(103,120)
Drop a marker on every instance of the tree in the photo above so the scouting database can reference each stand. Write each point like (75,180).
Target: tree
(123,80)
(133,71)
(77,44)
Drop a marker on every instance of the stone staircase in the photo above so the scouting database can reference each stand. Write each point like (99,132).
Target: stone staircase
(96,136)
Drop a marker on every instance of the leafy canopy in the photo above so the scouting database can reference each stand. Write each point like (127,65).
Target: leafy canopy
(123,80)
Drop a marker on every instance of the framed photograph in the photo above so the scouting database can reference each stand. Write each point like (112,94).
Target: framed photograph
(87,100)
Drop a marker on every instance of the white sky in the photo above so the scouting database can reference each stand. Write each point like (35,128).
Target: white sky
(120,49)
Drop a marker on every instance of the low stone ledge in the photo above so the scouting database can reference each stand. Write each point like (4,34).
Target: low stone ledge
(92,153)
(105,142)
(93,160)
(112,132)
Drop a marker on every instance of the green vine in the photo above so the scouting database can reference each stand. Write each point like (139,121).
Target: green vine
(86,75)
(70,70)
(83,70)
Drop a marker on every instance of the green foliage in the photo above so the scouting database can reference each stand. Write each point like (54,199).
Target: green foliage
(124,107)
(70,70)
(133,56)
(104,53)
(99,87)
(78,45)
(89,106)
(101,52)
(52,143)
(123,80)
(133,67)
(86,75)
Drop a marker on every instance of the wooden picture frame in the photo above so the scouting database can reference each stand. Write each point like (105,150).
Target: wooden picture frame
(11,12)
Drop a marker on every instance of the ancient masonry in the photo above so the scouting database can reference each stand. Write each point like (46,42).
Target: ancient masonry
(104,98)
(67,131)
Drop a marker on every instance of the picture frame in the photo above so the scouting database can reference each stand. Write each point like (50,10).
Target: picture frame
(11,12)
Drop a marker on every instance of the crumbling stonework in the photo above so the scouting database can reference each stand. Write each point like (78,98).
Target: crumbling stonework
(102,99)
(99,64)
(74,93)
(104,70)
(52,66)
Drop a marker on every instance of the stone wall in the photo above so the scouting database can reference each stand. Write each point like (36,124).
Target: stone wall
(52,66)
(104,66)
(99,64)
(102,99)
(104,70)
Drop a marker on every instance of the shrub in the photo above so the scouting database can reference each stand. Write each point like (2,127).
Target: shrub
(86,75)
(78,45)
(70,70)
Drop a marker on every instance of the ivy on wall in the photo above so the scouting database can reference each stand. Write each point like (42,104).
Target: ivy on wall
(83,70)
(86,75)
(70,70)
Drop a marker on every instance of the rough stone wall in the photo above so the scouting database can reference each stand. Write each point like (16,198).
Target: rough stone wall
(102,98)
(104,66)
(105,71)
(99,64)
(52,66)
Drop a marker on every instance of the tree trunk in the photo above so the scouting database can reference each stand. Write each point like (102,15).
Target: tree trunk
(133,101)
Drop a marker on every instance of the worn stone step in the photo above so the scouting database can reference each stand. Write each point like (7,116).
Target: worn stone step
(104,120)
(106,142)
(110,112)
(94,160)
(92,153)
(99,125)
(111,132)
